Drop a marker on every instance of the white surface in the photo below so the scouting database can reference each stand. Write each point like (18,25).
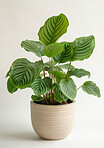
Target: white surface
(20,20)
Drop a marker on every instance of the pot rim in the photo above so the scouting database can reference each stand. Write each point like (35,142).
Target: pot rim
(52,104)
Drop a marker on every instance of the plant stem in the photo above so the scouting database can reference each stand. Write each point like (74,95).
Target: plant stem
(51,76)
(68,70)
(45,98)
(49,98)
(43,68)
(64,102)
(52,96)
(79,87)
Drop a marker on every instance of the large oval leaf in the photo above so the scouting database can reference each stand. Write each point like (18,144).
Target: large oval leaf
(41,86)
(75,71)
(53,49)
(68,88)
(90,88)
(79,73)
(25,72)
(11,88)
(58,95)
(53,28)
(66,66)
(83,48)
(33,46)
(66,54)
(80,49)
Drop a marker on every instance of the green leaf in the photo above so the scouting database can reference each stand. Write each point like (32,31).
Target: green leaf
(25,72)
(80,49)
(11,88)
(68,88)
(79,73)
(47,66)
(53,49)
(58,95)
(37,98)
(83,48)
(53,29)
(9,72)
(66,54)
(90,88)
(58,75)
(66,66)
(33,46)
(41,86)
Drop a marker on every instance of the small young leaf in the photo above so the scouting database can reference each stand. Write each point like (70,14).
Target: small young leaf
(33,46)
(58,95)
(37,98)
(68,88)
(53,29)
(41,86)
(58,75)
(11,88)
(52,49)
(47,66)
(91,88)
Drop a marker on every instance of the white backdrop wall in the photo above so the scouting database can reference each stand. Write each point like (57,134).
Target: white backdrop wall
(20,20)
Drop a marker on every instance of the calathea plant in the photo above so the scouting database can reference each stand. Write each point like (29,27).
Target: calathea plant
(49,81)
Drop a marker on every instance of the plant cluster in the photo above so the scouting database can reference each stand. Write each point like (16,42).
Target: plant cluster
(49,81)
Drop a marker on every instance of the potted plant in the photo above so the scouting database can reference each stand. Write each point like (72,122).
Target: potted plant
(52,105)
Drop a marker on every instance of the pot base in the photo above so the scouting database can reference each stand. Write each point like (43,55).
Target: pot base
(52,122)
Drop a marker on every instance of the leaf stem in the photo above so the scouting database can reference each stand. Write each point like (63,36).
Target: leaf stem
(79,87)
(43,68)
(68,70)
(52,96)
(45,98)
(64,102)
(49,98)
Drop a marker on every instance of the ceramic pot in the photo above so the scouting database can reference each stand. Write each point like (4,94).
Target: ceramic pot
(52,122)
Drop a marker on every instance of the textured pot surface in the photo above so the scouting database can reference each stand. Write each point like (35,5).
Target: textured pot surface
(52,121)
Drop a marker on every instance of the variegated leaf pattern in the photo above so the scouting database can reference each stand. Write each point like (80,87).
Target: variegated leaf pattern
(58,95)
(83,48)
(66,54)
(41,86)
(25,72)
(91,88)
(37,98)
(33,46)
(53,29)
(68,88)
(79,49)
(79,73)
(11,88)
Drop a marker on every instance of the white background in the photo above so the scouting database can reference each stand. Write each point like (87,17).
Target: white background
(20,20)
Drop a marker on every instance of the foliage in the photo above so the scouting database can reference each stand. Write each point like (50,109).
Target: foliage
(57,85)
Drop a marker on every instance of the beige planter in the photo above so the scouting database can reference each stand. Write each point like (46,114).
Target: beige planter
(52,121)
